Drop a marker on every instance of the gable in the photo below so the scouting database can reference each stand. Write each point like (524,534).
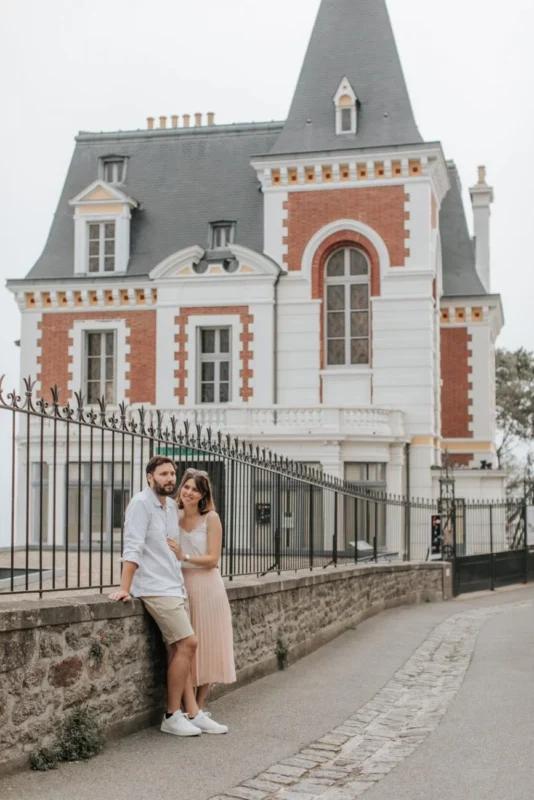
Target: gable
(101,192)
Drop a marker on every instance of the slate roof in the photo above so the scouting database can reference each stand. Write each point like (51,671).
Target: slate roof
(185,178)
(460,277)
(182,180)
(351,38)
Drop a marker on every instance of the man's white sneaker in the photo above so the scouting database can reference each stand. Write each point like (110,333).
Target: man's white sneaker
(206,724)
(179,725)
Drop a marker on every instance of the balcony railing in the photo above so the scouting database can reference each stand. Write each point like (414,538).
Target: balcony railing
(266,421)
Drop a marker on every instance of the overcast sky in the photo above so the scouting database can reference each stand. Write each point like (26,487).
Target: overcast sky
(69,65)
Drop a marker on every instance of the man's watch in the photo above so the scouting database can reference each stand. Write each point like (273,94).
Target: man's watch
(187,557)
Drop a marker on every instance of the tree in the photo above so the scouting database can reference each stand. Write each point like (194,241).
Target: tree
(515,401)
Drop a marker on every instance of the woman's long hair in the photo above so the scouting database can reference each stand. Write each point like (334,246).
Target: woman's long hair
(202,483)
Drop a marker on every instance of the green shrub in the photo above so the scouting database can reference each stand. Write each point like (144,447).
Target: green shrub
(80,738)
(44,759)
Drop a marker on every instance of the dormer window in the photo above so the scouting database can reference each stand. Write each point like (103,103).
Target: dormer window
(222,234)
(346,108)
(102,214)
(101,239)
(114,169)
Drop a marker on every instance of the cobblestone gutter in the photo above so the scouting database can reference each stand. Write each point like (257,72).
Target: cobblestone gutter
(57,653)
(352,758)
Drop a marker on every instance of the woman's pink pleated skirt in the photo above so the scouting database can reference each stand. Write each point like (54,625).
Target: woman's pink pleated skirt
(211,619)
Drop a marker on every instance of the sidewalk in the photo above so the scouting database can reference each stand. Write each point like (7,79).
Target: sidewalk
(479,747)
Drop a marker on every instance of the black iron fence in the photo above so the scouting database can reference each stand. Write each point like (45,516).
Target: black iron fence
(73,469)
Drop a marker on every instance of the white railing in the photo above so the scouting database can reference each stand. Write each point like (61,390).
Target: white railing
(308,420)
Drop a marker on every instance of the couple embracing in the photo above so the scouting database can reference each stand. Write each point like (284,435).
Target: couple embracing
(170,562)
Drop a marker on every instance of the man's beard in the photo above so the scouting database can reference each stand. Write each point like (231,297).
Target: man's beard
(164,490)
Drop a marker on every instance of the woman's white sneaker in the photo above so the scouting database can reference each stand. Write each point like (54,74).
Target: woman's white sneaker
(179,725)
(206,724)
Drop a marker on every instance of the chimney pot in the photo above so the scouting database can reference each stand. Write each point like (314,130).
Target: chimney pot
(174,120)
(150,123)
(481,200)
(187,120)
(198,119)
(211,118)
(163,122)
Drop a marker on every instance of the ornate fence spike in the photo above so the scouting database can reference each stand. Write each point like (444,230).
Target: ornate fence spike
(54,393)
(42,405)
(80,411)
(102,407)
(141,412)
(173,423)
(122,412)
(29,386)
(13,398)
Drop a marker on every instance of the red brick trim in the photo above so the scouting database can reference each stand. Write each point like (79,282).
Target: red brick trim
(456,405)
(246,354)
(381,208)
(56,363)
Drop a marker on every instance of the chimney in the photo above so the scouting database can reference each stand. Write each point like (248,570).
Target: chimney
(198,119)
(481,200)
(211,118)
(174,120)
(187,120)
(163,122)
(150,123)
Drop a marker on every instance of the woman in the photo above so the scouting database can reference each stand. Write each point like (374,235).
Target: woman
(199,550)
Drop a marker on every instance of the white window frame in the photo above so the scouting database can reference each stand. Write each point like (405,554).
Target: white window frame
(346,93)
(103,357)
(216,359)
(116,164)
(196,321)
(347,280)
(77,354)
(102,246)
(219,226)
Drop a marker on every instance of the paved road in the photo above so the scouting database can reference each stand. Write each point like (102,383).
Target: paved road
(467,737)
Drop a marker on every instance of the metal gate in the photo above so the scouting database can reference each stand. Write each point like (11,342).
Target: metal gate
(491,545)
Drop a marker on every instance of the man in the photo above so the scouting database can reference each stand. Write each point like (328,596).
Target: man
(152,572)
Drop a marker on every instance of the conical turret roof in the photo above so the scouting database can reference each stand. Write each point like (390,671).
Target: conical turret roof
(352,39)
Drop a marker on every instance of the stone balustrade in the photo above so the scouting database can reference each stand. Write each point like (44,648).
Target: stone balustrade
(266,421)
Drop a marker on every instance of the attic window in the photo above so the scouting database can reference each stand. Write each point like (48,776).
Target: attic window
(221,234)
(346,109)
(113,169)
(346,120)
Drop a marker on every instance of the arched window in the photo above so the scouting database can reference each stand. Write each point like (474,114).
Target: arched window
(347,308)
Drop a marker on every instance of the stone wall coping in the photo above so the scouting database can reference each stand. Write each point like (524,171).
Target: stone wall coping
(24,614)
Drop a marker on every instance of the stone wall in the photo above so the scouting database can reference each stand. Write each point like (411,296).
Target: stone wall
(58,653)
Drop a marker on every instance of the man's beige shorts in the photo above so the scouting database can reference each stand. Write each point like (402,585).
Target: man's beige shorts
(171,616)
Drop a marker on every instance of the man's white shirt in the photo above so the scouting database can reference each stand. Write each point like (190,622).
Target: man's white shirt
(147,527)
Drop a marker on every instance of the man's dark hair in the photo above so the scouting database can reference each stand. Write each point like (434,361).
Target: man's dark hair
(157,461)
